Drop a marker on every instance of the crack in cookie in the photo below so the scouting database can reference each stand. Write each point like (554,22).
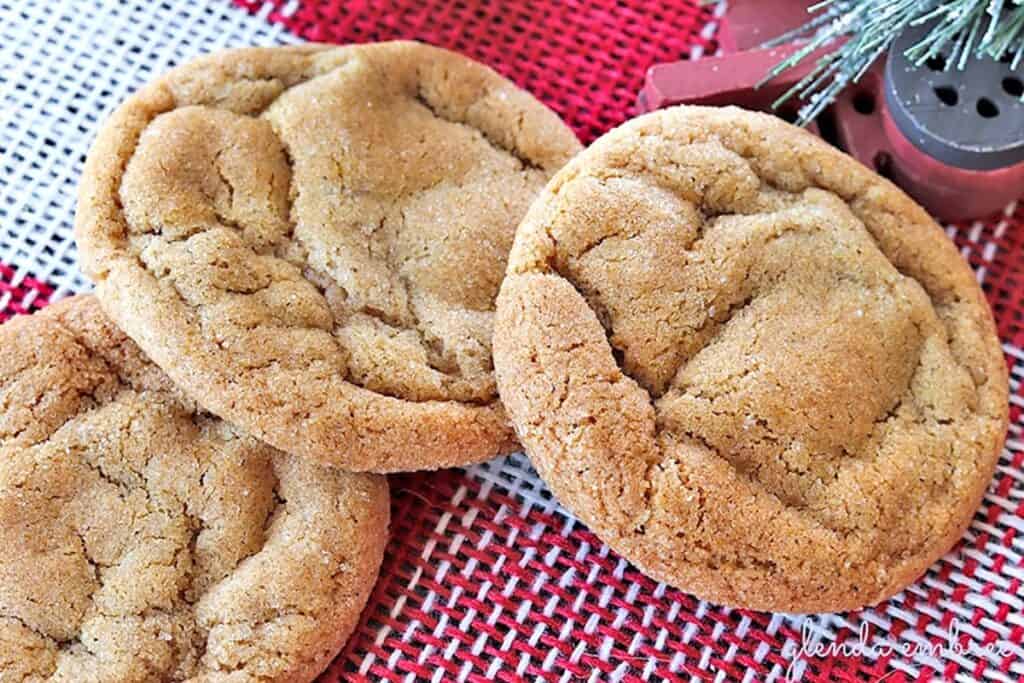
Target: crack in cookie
(768,357)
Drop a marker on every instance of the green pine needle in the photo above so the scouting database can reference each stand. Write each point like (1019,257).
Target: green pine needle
(963,29)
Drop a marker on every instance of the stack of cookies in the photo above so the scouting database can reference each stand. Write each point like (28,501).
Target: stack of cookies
(750,365)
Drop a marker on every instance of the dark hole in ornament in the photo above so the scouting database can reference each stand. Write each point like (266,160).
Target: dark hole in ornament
(1006,58)
(789,114)
(1013,86)
(987,108)
(827,127)
(947,95)
(936,62)
(864,103)
(883,164)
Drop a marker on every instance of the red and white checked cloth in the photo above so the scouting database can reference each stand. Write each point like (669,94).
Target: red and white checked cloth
(486,577)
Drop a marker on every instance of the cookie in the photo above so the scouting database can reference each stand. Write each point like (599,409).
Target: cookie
(309,241)
(145,540)
(753,367)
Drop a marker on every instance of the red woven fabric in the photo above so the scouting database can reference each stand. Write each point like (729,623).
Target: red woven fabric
(486,578)
(26,296)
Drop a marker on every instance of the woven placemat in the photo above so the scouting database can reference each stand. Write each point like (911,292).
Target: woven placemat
(486,576)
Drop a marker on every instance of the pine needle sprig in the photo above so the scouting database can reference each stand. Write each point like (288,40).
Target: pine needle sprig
(962,29)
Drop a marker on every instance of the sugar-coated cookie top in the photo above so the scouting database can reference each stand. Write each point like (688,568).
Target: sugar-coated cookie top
(754,367)
(309,240)
(144,540)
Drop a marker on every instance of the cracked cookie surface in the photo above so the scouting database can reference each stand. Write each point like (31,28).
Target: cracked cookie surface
(147,541)
(753,367)
(309,240)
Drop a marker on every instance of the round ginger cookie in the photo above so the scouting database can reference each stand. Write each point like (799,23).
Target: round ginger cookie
(145,540)
(309,241)
(753,367)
